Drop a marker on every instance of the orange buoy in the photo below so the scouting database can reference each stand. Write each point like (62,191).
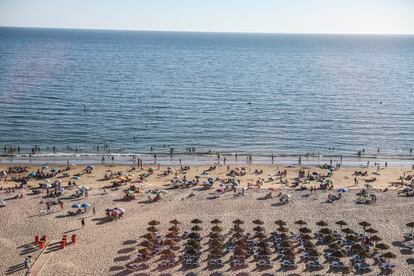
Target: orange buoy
(41,245)
(74,238)
(62,244)
(37,238)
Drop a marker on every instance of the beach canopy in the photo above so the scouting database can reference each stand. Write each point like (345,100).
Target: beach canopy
(341,223)
(196,228)
(216,229)
(382,246)
(389,255)
(305,230)
(321,223)
(371,231)
(238,221)
(364,224)
(283,229)
(375,238)
(216,252)
(258,228)
(149,236)
(175,222)
(76,206)
(343,190)
(260,236)
(174,229)
(411,225)
(339,254)
(300,222)
(280,222)
(145,251)
(152,229)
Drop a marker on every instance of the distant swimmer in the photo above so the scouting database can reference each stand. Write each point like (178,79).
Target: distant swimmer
(249,103)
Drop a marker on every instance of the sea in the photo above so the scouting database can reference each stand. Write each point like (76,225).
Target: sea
(132,92)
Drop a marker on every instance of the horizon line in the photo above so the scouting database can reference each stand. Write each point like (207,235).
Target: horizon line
(186,31)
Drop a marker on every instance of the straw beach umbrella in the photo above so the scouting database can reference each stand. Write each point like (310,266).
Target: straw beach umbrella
(216,221)
(382,246)
(280,222)
(175,222)
(153,222)
(196,228)
(322,223)
(258,229)
(411,225)
(300,222)
(238,221)
(305,230)
(341,223)
(364,224)
(258,222)
(389,255)
(196,221)
(174,229)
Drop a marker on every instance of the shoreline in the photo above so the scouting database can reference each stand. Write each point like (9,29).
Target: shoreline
(206,159)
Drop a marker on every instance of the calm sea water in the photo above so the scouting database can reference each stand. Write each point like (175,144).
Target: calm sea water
(306,92)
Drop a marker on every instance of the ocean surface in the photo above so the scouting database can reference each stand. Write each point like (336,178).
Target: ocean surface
(245,93)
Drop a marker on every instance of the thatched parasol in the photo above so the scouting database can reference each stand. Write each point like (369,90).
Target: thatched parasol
(382,246)
(300,222)
(411,225)
(149,236)
(171,235)
(338,254)
(196,228)
(216,221)
(153,222)
(216,228)
(145,251)
(280,222)
(152,229)
(238,221)
(258,222)
(174,229)
(364,224)
(321,223)
(283,229)
(325,231)
(196,221)
(341,223)
(389,255)
(305,230)
(175,222)
(258,228)
(371,231)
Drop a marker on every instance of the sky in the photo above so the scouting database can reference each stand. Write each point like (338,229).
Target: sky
(263,16)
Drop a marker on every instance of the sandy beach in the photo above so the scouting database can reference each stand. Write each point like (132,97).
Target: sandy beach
(108,246)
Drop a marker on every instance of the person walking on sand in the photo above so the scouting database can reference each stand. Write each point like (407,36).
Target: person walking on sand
(83,222)
(94,210)
(61,205)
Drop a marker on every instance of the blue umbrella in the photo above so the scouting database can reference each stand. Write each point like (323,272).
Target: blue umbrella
(76,206)
(343,190)
(85,205)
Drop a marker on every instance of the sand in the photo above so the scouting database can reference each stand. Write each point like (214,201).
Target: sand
(105,247)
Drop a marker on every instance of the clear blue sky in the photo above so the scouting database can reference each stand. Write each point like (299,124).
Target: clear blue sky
(274,16)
